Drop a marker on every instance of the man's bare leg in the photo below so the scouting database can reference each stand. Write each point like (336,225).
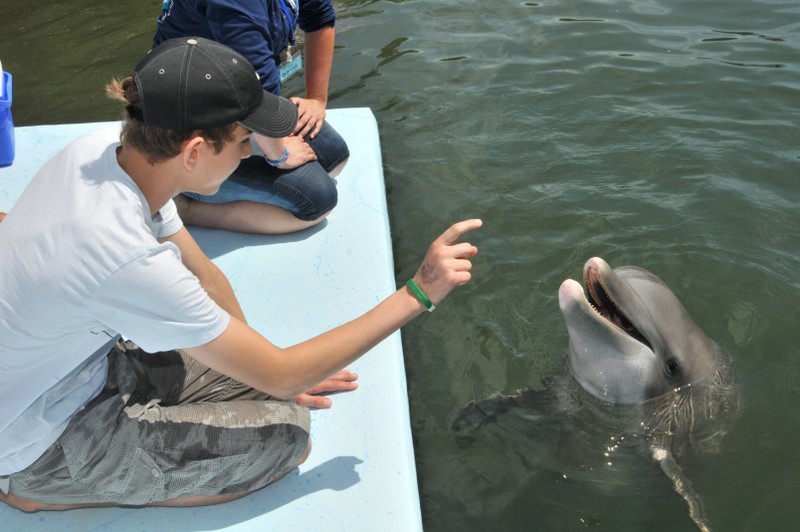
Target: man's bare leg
(242,216)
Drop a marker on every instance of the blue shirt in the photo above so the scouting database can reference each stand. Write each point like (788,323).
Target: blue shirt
(258,29)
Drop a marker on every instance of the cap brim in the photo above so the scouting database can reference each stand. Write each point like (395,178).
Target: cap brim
(275,117)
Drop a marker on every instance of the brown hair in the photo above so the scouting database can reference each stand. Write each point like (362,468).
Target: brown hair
(158,144)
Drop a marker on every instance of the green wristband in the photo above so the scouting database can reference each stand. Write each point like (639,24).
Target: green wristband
(420,295)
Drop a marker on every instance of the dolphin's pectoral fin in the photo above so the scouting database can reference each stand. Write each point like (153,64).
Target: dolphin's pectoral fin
(475,415)
(682,486)
(531,404)
(478,414)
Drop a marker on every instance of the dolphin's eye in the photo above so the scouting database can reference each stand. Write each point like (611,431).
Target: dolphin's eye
(673,367)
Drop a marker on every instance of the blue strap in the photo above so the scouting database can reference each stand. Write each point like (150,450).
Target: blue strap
(279,161)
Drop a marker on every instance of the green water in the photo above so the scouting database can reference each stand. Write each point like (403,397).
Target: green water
(661,134)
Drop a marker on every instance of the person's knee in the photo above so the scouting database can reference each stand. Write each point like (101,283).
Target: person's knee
(331,149)
(319,200)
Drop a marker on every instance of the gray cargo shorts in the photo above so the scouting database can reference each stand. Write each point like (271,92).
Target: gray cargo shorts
(166,427)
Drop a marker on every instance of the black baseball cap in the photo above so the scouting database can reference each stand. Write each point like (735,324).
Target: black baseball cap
(192,83)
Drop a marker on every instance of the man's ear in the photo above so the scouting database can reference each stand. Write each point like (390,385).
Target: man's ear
(190,153)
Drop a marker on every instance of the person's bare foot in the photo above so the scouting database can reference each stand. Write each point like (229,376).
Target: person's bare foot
(33,506)
(2,215)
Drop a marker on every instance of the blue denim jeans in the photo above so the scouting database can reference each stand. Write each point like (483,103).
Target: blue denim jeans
(308,191)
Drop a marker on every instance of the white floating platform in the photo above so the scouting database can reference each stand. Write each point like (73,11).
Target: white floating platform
(361,474)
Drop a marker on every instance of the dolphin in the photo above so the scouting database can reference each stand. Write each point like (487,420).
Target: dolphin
(630,338)
(635,350)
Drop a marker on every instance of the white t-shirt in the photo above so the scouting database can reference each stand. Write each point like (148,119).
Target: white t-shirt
(80,265)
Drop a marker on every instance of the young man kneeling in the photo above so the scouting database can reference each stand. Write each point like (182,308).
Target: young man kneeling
(195,407)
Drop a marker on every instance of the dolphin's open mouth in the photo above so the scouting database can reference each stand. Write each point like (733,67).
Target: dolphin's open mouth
(602,302)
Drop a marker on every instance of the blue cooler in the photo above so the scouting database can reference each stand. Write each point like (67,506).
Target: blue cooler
(6,122)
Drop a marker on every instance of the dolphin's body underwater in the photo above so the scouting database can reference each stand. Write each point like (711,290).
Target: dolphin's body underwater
(633,346)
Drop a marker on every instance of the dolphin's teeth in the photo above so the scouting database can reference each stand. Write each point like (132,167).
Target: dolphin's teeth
(601,301)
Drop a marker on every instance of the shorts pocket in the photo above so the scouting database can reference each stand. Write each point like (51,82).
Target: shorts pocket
(188,473)
(136,481)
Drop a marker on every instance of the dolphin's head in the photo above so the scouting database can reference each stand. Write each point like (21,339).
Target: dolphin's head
(630,338)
